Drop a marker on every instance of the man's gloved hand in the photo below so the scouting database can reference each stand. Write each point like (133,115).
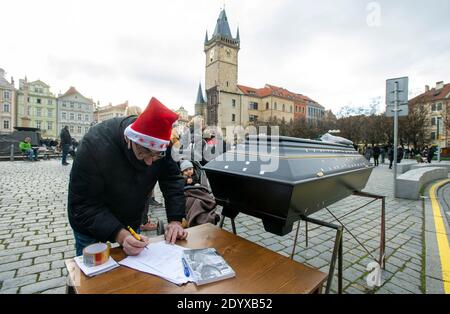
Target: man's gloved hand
(174,231)
(130,245)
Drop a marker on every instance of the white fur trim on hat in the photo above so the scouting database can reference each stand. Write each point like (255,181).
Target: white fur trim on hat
(146,141)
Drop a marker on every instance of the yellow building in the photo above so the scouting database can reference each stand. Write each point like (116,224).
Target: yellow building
(37,108)
(7,104)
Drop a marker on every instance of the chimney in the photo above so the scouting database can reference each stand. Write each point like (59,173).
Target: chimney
(427,88)
(12,81)
(440,85)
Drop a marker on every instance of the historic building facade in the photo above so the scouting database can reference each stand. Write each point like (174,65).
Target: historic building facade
(7,104)
(75,111)
(231,104)
(436,102)
(36,108)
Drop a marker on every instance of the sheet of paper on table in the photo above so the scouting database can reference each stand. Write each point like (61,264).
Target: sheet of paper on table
(162,260)
(96,270)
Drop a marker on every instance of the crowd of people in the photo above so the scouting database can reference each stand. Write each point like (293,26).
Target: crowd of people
(424,154)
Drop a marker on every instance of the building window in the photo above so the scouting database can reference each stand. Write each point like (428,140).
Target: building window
(267,106)
(79,129)
(6,94)
(433,107)
(38,101)
(433,136)
(49,113)
(86,129)
(38,112)
(253,106)
(284,107)
(227,84)
(439,106)
(71,104)
(79,107)
(72,117)
(79,117)
(71,128)
(433,121)
(49,126)
(253,118)
(64,104)
(64,116)
(38,124)
(233,118)
(6,124)
(233,103)
(290,110)
(275,107)
(50,102)
(86,117)
(6,108)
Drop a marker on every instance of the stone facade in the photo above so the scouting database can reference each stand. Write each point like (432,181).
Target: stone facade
(436,102)
(36,107)
(230,104)
(7,104)
(110,111)
(75,111)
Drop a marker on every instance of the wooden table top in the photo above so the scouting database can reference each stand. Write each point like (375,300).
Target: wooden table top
(258,270)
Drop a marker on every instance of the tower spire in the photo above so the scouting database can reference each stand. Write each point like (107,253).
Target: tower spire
(200,99)
(206,37)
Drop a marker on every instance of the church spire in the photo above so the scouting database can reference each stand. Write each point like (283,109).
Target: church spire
(222,27)
(200,99)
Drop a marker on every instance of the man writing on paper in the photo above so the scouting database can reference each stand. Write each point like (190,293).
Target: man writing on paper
(117,165)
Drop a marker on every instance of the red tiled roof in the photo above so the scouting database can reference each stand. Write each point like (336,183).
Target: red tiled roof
(432,95)
(271,90)
(72,91)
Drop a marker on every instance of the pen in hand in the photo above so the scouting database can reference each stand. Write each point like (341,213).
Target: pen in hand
(135,235)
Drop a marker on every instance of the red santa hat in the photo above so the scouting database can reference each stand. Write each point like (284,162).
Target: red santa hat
(153,127)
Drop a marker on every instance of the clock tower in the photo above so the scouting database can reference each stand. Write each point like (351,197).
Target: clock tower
(221,77)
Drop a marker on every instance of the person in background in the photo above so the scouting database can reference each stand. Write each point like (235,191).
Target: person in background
(383,154)
(391,156)
(66,141)
(189,174)
(26,148)
(376,155)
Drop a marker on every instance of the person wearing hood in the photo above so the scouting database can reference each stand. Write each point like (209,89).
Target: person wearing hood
(117,165)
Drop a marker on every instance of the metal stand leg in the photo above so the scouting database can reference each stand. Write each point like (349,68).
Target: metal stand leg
(383,234)
(295,241)
(233,225)
(337,253)
(306,235)
(222,220)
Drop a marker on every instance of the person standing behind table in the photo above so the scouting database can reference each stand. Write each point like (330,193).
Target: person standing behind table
(118,164)
(376,155)
(66,141)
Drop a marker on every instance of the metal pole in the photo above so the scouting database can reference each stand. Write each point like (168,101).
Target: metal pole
(11,157)
(395,136)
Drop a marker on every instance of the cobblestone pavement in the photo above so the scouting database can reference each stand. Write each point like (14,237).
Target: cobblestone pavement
(35,236)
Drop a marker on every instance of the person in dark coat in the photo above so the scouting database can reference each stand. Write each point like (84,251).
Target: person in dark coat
(376,155)
(391,156)
(112,177)
(66,141)
(399,154)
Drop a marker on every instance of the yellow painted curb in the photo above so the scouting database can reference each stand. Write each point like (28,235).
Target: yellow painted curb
(441,235)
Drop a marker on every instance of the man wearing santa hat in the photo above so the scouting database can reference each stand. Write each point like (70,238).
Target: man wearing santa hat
(117,165)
